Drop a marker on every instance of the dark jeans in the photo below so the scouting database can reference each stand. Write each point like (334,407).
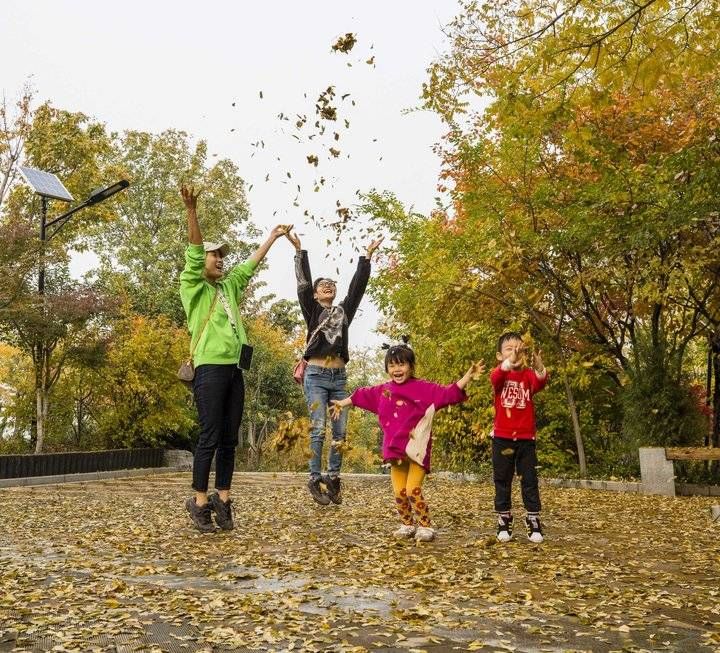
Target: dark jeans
(507,457)
(219,396)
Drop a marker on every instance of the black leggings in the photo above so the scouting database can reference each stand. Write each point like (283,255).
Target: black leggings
(508,456)
(219,396)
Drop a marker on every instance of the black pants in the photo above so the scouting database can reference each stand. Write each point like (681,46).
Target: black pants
(219,396)
(508,456)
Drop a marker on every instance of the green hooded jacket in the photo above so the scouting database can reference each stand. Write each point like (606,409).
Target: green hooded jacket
(217,344)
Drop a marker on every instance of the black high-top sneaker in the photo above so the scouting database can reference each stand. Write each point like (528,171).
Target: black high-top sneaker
(504,527)
(223,511)
(317,492)
(200,515)
(334,488)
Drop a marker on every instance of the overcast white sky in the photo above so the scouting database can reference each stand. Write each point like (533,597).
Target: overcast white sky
(157,65)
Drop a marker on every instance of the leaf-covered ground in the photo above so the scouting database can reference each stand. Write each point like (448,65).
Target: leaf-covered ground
(115,566)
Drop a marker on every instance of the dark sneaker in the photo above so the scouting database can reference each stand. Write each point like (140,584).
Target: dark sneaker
(317,492)
(504,528)
(223,511)
(534,528)
(334,488)
(200,515)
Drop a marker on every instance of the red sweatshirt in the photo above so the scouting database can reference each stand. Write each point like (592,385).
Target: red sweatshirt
(514,408)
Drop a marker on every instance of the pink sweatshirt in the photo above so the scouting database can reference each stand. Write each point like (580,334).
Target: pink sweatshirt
(400,406)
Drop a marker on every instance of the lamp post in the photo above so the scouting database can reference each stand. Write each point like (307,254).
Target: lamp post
(46,233)
(48,186)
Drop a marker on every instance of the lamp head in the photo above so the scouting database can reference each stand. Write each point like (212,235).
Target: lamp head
(101,194)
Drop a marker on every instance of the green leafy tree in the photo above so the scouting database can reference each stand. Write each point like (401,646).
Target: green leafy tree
(50,327)
(573,214)
(142,251)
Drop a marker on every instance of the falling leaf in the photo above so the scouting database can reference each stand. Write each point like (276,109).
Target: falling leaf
(341,446)
(345,43)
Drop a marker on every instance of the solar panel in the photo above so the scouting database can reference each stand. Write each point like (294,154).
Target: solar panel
(45,184)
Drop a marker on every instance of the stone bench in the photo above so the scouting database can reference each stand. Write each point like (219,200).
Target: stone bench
(657,471)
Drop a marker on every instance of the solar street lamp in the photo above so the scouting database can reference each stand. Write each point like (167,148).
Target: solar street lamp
(101,194)
(48,186)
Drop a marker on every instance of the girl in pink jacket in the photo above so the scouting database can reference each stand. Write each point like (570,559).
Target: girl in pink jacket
(405,406)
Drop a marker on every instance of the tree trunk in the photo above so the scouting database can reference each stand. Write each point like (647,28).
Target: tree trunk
(715,432)
(715,348)
(576,427)
(80,417)
(42,395)
(259,443)
(251,441)
(572,406)
(41,405)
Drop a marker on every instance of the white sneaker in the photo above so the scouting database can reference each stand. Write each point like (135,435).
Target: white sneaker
(534,529)
(504,528)
(536,538)
(406,530)
(424,534)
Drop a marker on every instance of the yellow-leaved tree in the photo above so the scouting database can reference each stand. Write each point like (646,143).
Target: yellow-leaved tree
(141,402)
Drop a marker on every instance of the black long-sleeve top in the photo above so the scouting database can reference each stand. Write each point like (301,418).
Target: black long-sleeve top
(332,339)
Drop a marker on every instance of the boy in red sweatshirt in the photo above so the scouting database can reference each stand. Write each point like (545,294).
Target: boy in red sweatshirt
(513,447)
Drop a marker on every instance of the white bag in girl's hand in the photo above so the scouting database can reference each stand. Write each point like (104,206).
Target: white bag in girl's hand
(420,437)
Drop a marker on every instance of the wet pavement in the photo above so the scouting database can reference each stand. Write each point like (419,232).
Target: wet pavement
(115,566)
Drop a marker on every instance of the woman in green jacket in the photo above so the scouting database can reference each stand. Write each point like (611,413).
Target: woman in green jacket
(210,299)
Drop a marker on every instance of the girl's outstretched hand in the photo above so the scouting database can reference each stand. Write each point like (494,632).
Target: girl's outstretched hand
(336,408)
(477,370)
(474,373)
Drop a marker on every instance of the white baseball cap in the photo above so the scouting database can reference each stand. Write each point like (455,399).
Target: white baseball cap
(223,248)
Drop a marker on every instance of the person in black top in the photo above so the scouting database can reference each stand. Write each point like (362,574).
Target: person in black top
(326,353)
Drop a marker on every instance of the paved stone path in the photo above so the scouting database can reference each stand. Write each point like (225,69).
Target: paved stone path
(115,566)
